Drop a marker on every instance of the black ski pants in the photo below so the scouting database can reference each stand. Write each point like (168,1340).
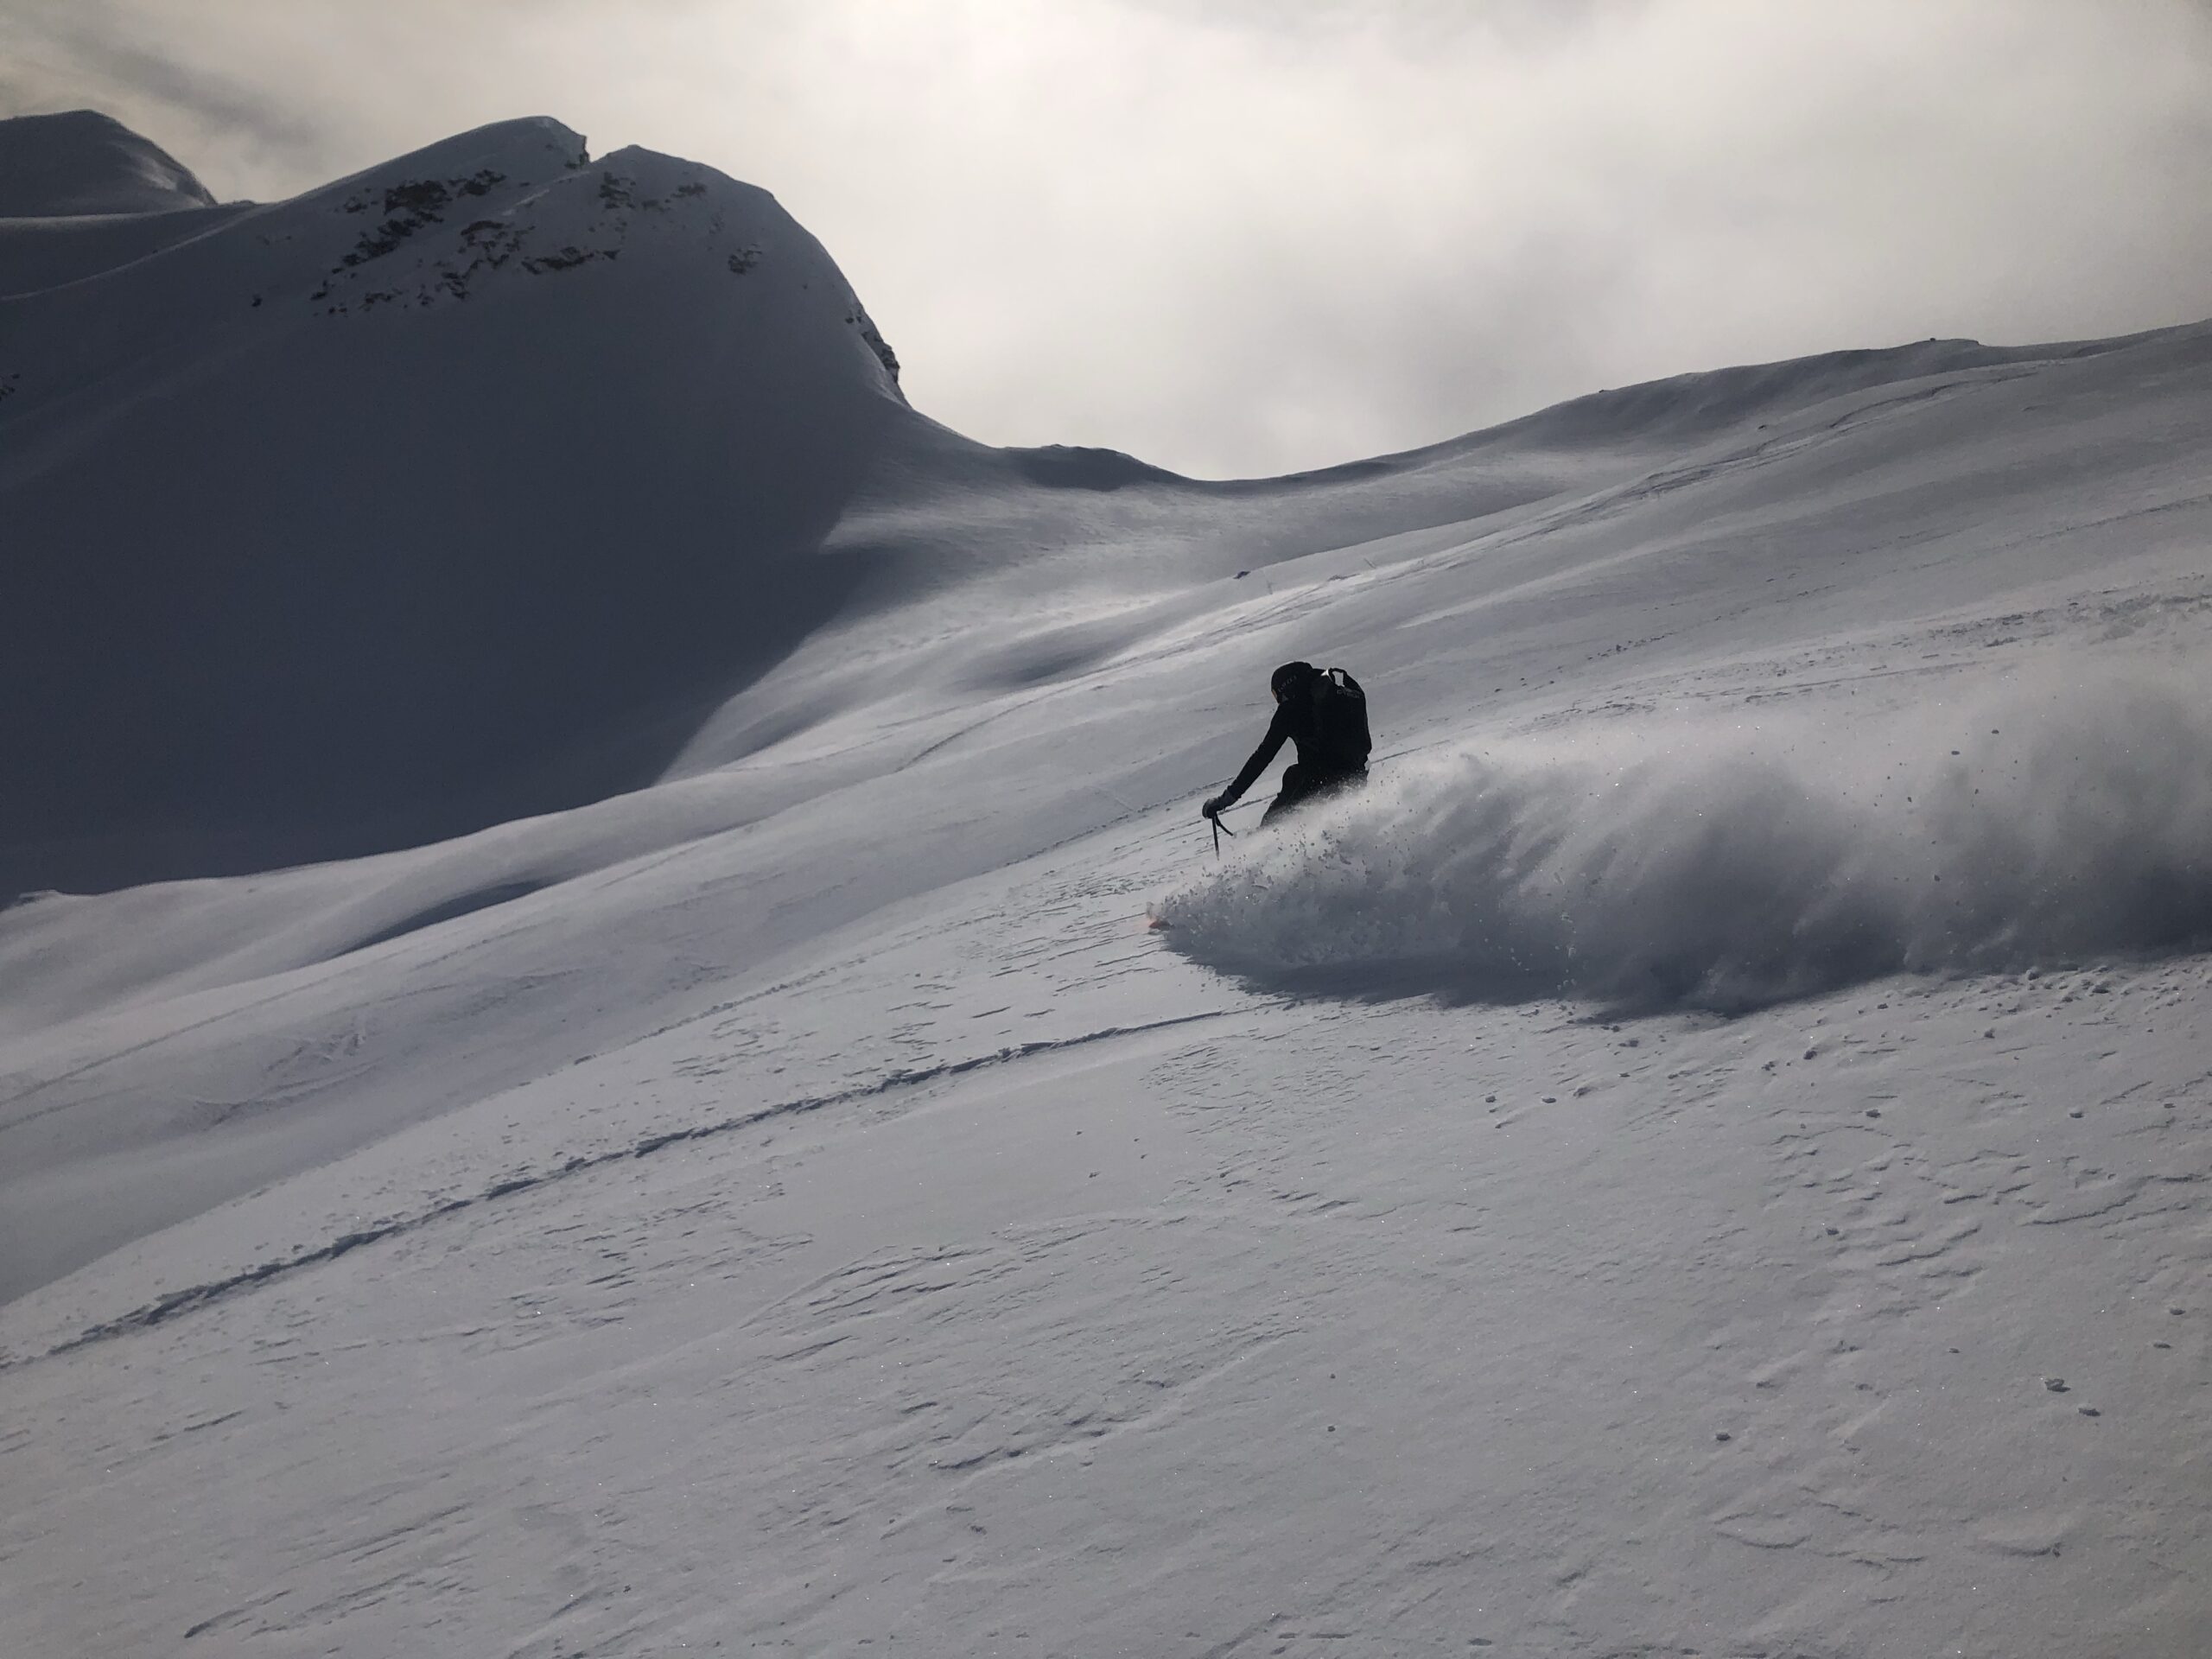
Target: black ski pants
(1302,784)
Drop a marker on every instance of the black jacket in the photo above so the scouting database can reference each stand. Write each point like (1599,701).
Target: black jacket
(1297,720)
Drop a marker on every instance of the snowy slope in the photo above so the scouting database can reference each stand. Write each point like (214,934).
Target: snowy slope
(1707,1155)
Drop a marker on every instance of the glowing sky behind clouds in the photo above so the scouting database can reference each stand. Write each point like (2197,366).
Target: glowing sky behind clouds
(1243,237)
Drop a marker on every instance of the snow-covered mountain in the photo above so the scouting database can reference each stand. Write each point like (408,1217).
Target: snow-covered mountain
(451,491)
(1706,1154)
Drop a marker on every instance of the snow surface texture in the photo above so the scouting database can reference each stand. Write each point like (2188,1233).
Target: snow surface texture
(778,1193)
(1732,868)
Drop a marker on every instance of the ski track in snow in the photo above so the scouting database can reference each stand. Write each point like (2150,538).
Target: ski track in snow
(1902,1184)
(185,1300)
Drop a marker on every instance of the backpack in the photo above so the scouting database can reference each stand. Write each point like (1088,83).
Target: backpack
(1340,721)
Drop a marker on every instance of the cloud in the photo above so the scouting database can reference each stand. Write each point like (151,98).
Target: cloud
(85,57)
(1234,237)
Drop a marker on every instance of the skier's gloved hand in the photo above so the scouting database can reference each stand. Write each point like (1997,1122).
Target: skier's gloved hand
(1212,808)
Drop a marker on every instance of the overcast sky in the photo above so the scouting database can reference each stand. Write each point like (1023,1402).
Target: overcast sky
(1235,237)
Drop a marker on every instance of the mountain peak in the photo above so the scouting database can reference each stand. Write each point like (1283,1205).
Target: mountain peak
(81,162)
(510,409)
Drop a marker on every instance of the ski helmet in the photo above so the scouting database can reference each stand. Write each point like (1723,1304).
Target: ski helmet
(1289,675)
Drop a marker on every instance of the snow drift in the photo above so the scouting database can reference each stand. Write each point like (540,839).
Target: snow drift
(1733,867)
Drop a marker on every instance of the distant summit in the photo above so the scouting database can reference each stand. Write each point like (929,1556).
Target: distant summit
(448,492)
(81,163)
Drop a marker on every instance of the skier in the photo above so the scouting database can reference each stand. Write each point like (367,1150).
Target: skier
(1324,712)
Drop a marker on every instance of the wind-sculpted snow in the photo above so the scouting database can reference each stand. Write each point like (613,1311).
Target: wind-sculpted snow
(1740,865)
